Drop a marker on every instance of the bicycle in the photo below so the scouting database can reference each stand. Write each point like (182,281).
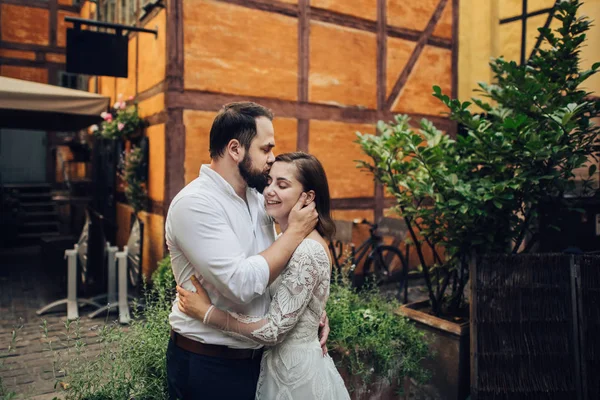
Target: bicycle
(380,258)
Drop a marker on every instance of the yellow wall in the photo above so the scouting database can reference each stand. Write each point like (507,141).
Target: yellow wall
(233,49)
(481,37)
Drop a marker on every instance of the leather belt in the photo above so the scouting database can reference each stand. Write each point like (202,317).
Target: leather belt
(213,350)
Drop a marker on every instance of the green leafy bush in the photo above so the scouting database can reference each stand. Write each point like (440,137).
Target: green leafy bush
(487,189)
(369,338)
(131,363)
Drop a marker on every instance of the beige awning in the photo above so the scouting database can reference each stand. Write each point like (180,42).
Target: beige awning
(31,105)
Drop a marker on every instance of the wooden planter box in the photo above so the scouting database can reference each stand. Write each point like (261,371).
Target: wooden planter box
(449,343)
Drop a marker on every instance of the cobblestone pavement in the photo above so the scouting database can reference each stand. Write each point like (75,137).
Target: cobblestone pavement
(28,282)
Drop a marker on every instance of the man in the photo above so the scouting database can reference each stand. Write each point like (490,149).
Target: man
(217,228)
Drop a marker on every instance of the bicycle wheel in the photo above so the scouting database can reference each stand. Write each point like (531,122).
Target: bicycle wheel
(386,264)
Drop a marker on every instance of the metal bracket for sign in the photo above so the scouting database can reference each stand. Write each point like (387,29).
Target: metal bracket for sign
(119,28)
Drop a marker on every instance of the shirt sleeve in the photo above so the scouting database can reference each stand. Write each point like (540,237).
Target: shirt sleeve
(302,277)
(209,243)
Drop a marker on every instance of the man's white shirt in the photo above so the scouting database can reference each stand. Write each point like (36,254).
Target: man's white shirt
(212,232)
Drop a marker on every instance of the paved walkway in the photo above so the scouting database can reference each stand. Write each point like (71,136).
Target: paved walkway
(29,280)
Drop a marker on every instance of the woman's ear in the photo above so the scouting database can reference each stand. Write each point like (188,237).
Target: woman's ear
(234,149)
(310,197)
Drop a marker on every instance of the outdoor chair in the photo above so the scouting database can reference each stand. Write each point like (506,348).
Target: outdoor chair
(130,270)
(90,252)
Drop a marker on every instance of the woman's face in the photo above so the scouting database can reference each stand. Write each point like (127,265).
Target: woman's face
(282,191)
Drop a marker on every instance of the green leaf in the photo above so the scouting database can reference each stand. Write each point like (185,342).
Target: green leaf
(592,170)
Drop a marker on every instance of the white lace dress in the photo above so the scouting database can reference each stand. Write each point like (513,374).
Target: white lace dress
(293,366)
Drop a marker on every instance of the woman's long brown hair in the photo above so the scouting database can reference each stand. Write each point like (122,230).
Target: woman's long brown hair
(312,177)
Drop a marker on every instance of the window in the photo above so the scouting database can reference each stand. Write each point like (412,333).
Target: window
(118,11)
(73,81)
(523,17)
(111,13)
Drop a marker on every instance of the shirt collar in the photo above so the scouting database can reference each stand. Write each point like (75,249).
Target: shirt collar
(220,182)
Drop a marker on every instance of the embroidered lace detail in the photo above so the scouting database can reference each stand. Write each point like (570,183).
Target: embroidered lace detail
(294,367)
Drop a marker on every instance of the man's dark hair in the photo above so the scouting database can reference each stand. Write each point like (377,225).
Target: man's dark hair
(235,121)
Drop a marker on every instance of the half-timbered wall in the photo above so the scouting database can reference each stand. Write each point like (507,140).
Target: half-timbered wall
(327,68)
(32,38)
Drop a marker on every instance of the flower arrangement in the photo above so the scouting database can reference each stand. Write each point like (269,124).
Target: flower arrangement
(122,122)
(133,164)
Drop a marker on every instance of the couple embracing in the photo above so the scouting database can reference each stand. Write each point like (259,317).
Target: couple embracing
(249,319)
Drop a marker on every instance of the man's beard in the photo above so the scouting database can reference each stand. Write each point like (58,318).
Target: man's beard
(256,180)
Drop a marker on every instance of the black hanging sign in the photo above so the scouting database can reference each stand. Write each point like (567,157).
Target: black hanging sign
(97,53)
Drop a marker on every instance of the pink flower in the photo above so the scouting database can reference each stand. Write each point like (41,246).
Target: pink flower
(94,128)
(130,98)
(108,118)
(123,105)
(103,115)
(117,105)
(120,126)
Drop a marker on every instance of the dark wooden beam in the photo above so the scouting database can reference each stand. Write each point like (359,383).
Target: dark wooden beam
(175,46)
(42,4)
(31,47)
(353,203)
(137,48)
(291,10)
(455,24)
(403,78)
(303,49)
(381,53)
(152,91)
(455,39)
(381,86)
(524,32)
(175,129)
(336,18)
(303,135)
(359,203)
(53,25)
(29,63)
(303,70)
(208,101)
(174,155)
(413,36)
(157,118)
(526,15)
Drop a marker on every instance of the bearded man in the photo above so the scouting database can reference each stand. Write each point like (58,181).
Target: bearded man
(217,229)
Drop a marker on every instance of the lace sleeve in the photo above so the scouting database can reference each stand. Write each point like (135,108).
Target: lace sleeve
(293,294)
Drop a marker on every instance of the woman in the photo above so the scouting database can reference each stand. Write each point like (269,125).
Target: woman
(293,367)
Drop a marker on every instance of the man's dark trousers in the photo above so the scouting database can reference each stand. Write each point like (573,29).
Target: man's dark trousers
(193,376)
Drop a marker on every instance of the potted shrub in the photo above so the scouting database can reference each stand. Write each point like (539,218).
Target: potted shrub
(375,350)
(486,190)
